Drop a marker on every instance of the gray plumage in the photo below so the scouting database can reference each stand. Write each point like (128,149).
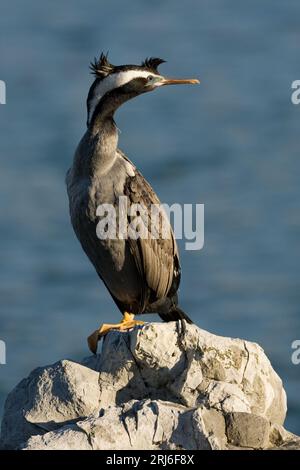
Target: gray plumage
(142,275)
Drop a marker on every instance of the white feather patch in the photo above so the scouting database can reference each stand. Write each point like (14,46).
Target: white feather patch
(112,81)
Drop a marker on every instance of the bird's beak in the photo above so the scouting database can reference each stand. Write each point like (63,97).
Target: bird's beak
(177,81)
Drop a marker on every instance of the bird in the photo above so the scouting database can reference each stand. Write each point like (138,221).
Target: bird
(142,274)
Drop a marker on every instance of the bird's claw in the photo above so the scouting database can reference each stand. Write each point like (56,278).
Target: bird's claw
(181,329)
(127,323)
(93,341)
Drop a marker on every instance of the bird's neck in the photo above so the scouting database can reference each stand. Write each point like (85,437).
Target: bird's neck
(104,130)
(106,143)
(104,133)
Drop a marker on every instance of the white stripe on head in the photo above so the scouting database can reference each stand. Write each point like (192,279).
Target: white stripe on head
(112,81)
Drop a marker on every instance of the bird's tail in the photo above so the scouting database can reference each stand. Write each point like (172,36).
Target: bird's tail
(175,313)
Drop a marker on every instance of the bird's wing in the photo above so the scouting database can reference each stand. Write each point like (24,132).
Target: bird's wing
(156,256)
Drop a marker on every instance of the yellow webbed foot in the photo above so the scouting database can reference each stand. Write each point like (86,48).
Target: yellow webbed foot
(126,323)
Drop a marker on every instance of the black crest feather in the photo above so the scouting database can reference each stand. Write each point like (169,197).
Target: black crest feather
(152,64)
(101,67)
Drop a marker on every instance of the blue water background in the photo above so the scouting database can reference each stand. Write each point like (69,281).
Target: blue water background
(232,144)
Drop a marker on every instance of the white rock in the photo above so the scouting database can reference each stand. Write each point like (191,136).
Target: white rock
(49,398)
(155,387)
(65,438)
(137,425)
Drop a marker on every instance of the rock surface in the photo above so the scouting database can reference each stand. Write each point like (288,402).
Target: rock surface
(161,386)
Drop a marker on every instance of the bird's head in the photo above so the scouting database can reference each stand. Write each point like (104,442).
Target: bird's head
(119,83)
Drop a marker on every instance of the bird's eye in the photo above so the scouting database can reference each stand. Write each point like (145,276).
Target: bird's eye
(149,78)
